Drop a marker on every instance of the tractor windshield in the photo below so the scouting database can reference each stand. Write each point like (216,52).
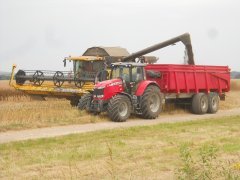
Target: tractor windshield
(121,72)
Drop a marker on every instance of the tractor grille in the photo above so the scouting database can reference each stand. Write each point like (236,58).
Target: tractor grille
(97,92)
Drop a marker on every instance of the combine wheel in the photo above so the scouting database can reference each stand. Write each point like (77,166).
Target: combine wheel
(38,78)
(200,103)
(74,101)
(213,103)
(119,108)
(151,103)
(84,101)
(58,79)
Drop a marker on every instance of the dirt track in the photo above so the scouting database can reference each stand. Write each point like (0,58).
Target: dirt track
(65,130)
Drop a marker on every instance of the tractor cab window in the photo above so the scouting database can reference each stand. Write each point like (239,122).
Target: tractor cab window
(121,72)
(137,74)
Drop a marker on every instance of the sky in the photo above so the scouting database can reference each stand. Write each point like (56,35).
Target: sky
(38,34)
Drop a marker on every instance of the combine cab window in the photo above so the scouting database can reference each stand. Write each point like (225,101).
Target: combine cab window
(88,69)
(88,66)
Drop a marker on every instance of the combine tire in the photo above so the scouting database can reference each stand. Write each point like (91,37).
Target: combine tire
(200,103)
(119,108)
(85,99)
(151,103)
(213,103)
(74,102)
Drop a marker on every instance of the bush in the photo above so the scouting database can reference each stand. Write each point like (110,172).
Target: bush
(205,165)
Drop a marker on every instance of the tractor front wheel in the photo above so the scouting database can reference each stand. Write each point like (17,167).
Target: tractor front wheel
(119,108)
(84,101)
(151,103)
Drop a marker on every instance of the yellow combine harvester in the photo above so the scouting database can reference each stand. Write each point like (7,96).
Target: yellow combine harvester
(69,84)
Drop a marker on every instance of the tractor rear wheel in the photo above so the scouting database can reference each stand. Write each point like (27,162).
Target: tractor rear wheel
(119,108)
(151,103)
(200,103)
(84,101)
(213,103)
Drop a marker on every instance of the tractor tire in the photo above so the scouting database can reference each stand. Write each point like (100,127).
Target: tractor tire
(200,103)
(151,103)
(84,101)
(213,103)
(74,102)
(119,108)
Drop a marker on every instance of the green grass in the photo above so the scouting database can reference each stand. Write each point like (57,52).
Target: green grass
(153,152)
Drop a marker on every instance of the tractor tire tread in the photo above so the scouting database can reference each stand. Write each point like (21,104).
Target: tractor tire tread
(82,104)
(146,113)
(112,108)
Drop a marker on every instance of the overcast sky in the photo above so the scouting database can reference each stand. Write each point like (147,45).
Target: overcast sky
(38,34)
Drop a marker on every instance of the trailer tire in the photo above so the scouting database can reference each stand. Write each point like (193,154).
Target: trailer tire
(213,103)
(84,101)
(151,103)
(119,108)
(200,103)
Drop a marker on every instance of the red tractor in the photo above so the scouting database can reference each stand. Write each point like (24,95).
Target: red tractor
(126,92)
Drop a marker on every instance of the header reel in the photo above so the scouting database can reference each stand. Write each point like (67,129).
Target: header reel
(58,78)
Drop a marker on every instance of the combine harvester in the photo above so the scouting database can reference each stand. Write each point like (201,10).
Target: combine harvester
(67,84)
(141,89)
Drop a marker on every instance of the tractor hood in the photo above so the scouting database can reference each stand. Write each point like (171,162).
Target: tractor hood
(107,83)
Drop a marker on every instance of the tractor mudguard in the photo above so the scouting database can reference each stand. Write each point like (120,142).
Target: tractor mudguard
(143,85)
(126,94)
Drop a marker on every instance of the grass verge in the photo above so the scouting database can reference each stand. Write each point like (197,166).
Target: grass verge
(165,151)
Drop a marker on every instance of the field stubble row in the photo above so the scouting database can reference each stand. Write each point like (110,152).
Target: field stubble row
(21,111)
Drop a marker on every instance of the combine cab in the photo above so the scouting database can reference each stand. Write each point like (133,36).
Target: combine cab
(69,84)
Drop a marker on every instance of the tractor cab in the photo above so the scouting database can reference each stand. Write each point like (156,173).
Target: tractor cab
(130,73)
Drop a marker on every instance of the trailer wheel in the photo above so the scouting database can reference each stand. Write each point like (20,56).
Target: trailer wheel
(84,101)
(200,103)
(213,103)
(119,108)
(151,103)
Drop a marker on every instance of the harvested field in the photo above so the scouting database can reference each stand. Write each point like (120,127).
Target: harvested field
(20,111)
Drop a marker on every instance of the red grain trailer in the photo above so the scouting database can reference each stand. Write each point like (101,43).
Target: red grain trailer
(199,83)
(190,79)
